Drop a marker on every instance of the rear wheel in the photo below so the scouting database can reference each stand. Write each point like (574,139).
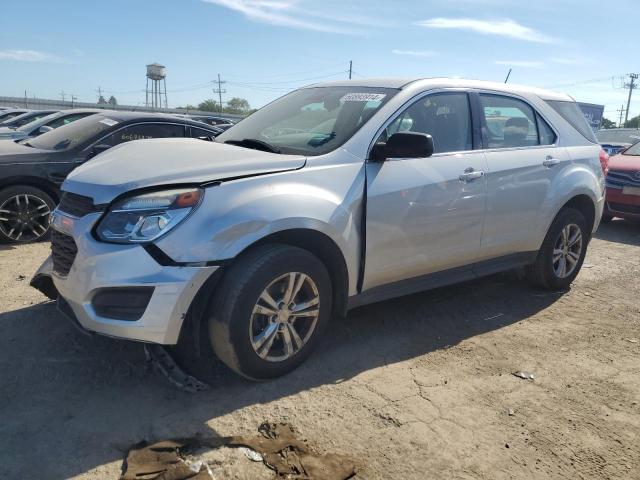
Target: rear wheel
(24,214)
(562,253)
(269,311)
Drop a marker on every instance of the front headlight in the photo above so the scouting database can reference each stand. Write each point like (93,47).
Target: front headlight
(146,217)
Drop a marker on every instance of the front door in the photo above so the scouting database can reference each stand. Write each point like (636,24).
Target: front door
(425,215)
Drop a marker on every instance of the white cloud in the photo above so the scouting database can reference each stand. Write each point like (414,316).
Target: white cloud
(287,13)
(520,63)
(29,56)
(415,53)
(504,28)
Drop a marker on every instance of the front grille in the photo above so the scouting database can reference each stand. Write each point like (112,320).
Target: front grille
(622,178)
(63,252)
(76,205)
(624,208)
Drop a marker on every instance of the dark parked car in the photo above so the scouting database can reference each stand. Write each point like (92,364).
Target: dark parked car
(212,120)
(28,117)
(45,124)
(31,172)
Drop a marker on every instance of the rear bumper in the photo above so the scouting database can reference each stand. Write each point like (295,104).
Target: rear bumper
(618,204)
(99,267)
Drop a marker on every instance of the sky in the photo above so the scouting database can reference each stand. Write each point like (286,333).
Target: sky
(265,48)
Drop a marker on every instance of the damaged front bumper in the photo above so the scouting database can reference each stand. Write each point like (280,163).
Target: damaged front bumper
(120,290)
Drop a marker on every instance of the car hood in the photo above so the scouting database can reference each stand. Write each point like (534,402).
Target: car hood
(624,162)
(170,161)
(11,152)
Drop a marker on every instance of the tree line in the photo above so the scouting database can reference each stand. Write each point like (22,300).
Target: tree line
(238,106)
(631,123)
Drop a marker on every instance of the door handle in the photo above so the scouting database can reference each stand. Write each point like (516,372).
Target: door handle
(470,174)
(550,162)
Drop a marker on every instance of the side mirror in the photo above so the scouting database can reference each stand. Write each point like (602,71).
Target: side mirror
(99,149)
(44,129)
(404,145)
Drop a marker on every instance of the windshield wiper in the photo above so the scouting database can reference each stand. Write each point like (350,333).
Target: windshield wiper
(255,144)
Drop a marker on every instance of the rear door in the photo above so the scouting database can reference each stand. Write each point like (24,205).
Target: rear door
(425,215)
(523,159)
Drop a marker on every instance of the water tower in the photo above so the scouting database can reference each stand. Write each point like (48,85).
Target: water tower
(156,73)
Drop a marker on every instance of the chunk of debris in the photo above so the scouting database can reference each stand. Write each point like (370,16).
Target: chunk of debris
(157,356)
(251,454)
(511,412)
(277,447)
(632,340)
(524,375)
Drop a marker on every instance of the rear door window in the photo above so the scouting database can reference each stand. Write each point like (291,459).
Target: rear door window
(510,123)
(144,131)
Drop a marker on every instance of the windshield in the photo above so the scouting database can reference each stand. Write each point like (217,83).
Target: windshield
(309,121)
(633,150)
(74,134)
(618,135)
(26,118)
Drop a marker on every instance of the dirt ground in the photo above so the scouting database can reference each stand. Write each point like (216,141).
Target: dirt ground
(415,388)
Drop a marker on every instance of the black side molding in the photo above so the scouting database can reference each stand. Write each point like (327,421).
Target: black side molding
(166,261)
(442,279)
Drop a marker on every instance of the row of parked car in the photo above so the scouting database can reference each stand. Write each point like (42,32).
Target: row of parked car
(38,149)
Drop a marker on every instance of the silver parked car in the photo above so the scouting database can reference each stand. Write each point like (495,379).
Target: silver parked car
(334,196)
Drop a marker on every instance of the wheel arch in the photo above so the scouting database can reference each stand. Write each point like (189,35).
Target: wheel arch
(48,187)
(193,329)
(585,205)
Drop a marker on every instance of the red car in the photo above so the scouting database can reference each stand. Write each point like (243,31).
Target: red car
(623,185)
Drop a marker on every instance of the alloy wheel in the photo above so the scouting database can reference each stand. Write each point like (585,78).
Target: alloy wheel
(284,317)
(24,218)
(567,250)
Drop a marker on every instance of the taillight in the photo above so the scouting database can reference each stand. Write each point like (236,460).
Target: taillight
(604,161)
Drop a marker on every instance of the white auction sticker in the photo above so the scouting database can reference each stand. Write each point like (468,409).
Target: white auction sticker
(363,97)
(109,121)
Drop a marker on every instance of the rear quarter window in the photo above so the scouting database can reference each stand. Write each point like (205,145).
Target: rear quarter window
(571,112)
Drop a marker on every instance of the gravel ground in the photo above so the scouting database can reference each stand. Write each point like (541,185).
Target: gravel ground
(418,387)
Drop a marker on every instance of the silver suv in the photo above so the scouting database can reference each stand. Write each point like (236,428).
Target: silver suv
(334,196)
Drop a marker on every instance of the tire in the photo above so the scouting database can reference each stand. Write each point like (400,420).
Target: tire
(545,272)
(18,222)
(240,319)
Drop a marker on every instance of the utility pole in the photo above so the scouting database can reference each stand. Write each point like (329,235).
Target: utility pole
(508,75)
(73,99)
(219,91)
(25,99)
(350,68)
(621,111)
(62,95)
(631,85)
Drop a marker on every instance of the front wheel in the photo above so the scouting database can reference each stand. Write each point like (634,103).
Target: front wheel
(24,214)
(269,311)
(562,253)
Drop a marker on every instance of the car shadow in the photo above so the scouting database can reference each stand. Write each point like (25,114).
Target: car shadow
(55,381)
(619,231)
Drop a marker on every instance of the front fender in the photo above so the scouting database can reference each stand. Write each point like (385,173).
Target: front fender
(237,214)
